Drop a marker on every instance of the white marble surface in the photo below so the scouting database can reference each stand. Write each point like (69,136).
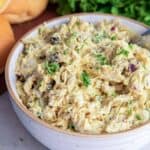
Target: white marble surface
(13,136)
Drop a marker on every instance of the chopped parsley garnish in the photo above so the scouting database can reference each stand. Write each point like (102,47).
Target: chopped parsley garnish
(97,68)
(71,38)
(40,31)
(130,102)
(85,79)
(123,52)
(99,36)
(51,68)
(129,111)
(101,59)
(113,37)
(78,23)
(148,109)
(79,48)
(65,52)
(114,94)
(130,46)
(74,35)
(138,117)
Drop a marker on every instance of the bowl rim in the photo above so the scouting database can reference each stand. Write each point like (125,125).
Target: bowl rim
(42,122)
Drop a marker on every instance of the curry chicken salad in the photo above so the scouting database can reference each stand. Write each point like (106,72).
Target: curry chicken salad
(85,77)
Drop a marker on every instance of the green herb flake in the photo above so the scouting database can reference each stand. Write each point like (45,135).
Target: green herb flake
(130,102)
(79,48)
(65,52)
(51,68)
(99,36)
(138,117)
(131,46)
(73,35)
(97,68)
(113,38)
(71,38)
(148,110)
(78,23)
(129,111)
(85,79)
(123,52)
(40,31)
(101,59)
(114,94)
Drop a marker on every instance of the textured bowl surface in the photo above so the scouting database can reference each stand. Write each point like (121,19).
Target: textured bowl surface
(56,139)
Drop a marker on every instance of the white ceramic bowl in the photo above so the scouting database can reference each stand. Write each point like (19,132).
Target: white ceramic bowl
(57,139)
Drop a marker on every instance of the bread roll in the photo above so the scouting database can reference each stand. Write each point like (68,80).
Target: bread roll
(19,11)
(6,41)
(4,5)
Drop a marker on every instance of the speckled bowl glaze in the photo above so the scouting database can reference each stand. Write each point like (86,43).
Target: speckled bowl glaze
(55,138)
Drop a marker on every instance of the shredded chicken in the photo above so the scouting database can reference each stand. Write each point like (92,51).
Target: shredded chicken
(85,77)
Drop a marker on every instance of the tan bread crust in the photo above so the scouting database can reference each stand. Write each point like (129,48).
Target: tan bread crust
(3,5)
(7,40)
(23,10)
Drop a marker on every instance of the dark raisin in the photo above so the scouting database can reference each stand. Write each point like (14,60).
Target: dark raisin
(25,49)
(54,40)
(113,28)
(80,84)
(71,126)
(132,68)
(35,82)
(42,57)
(53,57)
(62,64)
(20,78)
(51,84)
(45,97)
(110,118)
